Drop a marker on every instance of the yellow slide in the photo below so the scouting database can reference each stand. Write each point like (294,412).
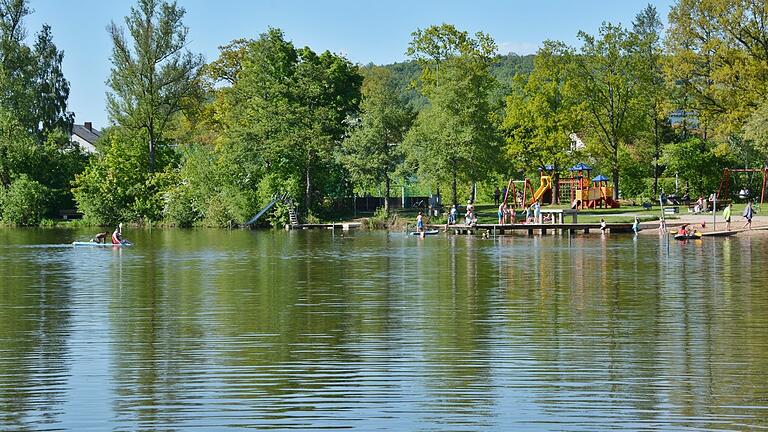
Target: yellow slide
(546,184)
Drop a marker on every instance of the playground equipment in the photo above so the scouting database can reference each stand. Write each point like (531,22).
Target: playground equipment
(724,191)
(586,193)
(579,190)
(524,195)
(275,199)
(546,186)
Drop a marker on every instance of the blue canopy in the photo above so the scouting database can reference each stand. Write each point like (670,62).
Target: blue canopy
(600,178)
(580,167)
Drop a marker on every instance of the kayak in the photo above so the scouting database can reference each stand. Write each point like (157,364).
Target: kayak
(428,232)
(81,243)
(687,236)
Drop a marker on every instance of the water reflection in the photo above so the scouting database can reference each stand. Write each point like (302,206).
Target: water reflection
(302,330)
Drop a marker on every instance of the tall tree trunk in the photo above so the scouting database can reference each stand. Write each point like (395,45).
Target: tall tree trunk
(308,189)
(615,173)
(5,175)
(151,155)
(656,155)
(556,187)
(386,195)
(453,189)
(152,145)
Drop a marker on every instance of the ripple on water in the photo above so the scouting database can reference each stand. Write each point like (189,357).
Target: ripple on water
(275,330)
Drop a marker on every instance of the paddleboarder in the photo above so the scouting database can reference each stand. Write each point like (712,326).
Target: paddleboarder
(420,223)
(100,237)
(117,235)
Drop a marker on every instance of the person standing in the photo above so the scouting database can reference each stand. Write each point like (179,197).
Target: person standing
(636,225)
(420,223)
(496,195)
(537,212)
(502,213)
(727,217)
(748,213)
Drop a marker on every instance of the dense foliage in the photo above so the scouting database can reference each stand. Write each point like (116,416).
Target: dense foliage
(37,159)
(210,144)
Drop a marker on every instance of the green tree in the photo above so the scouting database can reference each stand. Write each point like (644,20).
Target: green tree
(17,65)
(699,162)
(151,78)
(756,130)
(609,72)
(718,54)
(372,153)
(542,112)
(51,87)
(654,96)
(25,202)
(115,186)
(455,138)
(287,116)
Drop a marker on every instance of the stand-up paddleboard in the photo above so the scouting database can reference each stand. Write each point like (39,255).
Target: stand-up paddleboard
(428,232)
(81,243)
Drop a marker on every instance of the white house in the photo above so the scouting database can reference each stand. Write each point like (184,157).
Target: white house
(85,135)
(576,142)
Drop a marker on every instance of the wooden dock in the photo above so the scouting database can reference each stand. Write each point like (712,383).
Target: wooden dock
(531,229)
(344,226)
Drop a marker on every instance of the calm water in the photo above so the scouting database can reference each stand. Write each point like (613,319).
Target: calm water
(215,330)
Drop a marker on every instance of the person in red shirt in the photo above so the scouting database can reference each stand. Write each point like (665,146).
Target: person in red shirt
(117,235)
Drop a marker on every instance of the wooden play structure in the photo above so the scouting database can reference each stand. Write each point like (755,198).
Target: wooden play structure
(579,190)
(583,193)
(520,193)
(724,191)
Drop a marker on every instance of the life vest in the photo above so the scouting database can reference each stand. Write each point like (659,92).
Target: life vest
(116,237)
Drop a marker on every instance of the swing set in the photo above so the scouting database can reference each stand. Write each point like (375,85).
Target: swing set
(724,191)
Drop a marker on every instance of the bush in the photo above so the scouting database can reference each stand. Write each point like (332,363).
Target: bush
(229,205)
(180,208)
(25,202)
(116,187)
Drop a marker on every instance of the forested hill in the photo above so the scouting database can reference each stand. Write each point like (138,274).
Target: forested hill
(505,68)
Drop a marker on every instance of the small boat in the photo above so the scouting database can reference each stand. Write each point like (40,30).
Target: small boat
(90,243)
(428,232)
(688,236)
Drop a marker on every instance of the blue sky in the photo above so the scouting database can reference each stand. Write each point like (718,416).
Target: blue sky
(364,31)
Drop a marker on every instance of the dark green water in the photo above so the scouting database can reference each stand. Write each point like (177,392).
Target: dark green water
(217,330)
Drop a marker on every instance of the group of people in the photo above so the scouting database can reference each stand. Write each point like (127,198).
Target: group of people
(470,218)
(506,214)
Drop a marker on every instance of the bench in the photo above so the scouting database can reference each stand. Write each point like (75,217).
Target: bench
(671,210)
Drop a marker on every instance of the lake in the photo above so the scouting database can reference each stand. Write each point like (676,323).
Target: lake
(244,330)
